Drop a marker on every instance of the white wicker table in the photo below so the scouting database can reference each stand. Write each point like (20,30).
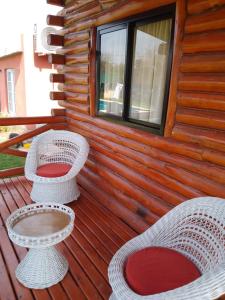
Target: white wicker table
(40,227)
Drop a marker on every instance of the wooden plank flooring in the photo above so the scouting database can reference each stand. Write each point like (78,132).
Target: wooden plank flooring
(96,237)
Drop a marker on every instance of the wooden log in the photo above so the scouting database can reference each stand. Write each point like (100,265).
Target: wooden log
(56,59)
(30,120)
(55,40)
(197,7)
(80,25)
(15,152)
(146,138)
(77,58)
(151,202)
(122,198)
(77,97)
(119,210)
(214,157)
(78,6)
(56,2)
(134,176)
(52,20)
(133,172)
(75,49)
(57,96)
(206,138)
(77,68)
(108,1)
(54,77)
(93,72)
(210,63)
(153,168)
(155,161)
(76,78)
(72,18)
(127,9)
(207,119)
(212,20)
(11,172)
(76,37)
(77,89)
(206,186)
(206,83)
(201,101)
(58,112)
(78,107)
(149,169)
(108,5)
(204,42)
(177,54)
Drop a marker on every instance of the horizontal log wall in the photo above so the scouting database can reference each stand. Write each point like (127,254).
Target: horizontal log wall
(138,175)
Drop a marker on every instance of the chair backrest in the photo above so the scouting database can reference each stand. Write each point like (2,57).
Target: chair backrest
(195,228)
(60,146)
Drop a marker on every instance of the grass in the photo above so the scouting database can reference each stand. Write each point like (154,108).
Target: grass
(9,161)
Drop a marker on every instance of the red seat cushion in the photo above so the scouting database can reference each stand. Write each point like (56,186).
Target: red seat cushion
(156,269)
(53,170)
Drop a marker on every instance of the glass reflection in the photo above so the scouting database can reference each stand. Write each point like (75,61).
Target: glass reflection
(112,65)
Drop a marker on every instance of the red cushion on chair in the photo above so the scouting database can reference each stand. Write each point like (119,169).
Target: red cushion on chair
(156,269)
(53,170)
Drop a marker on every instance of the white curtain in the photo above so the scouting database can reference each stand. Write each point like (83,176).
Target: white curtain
(150,57)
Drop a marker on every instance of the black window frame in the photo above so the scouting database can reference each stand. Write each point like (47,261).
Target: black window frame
(129,24)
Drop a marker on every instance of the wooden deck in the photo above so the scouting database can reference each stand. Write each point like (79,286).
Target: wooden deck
(96,237)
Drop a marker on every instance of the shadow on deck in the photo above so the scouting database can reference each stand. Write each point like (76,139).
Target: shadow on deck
(96,237)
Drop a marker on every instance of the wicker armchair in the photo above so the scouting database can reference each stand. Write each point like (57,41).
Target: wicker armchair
(196,228)
(60,147)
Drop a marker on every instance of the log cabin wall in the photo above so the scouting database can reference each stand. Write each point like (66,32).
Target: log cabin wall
(139,175)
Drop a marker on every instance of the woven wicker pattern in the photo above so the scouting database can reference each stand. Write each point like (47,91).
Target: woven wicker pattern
(56,146)
(39,242)
(43,265)
(195,228)
(42,268)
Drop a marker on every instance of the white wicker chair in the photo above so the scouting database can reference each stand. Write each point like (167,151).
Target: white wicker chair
(196,228)
(56,146)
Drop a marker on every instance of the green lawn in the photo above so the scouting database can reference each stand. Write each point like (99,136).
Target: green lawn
(9,161)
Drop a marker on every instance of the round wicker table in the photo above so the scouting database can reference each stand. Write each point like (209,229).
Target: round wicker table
(40,227)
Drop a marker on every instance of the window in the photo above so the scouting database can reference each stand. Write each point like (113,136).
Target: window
(133,69)
(10,77)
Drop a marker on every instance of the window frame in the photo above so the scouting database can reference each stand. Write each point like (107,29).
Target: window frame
(130,24)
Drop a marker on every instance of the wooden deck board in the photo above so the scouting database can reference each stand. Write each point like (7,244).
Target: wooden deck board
(89,249)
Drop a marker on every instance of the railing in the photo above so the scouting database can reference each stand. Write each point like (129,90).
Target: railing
(56,121)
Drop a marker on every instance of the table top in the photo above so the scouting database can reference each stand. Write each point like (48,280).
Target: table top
(40,225)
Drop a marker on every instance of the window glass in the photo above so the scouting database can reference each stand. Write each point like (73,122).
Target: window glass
(10,75)
(112,68)
(150,58)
